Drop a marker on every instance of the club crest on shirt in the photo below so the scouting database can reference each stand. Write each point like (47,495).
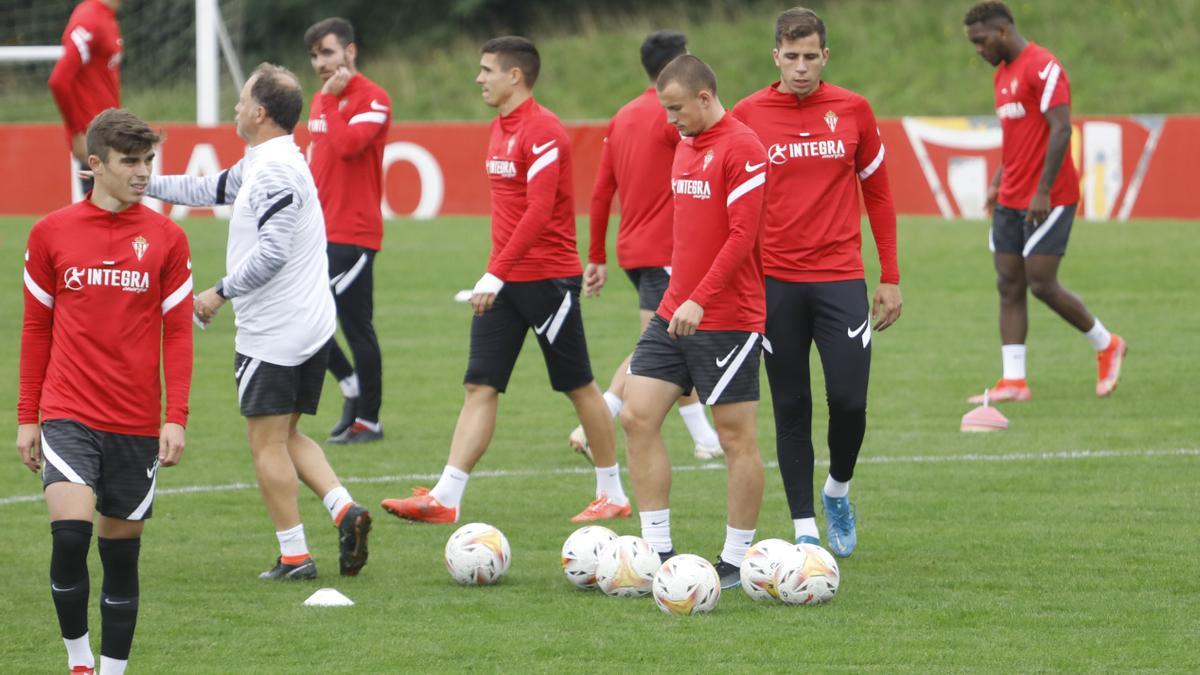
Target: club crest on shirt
(342,104)
(831,120)
(139,246)
(708,158)
(511,141)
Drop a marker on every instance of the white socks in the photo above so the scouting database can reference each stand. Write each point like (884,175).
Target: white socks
(337,500)
(1014,361)
(737,542)
(698,426)
(806,527)
(608,483)
(835,488)
(291,542)
(112,666)
(349,386)
(1099,336)
(656,529)
(79,652)
(614,403)
(450,487)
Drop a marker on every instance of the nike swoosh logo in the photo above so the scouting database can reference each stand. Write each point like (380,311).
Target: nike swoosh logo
(854,333)
(656,523)
(1045,72)
(272,195)
(189,263)
(61,590)
(546,324)
(376,105)
(151,470)
(804,134)
(238,374)
(110,601)
(539,149)
(721,362)
(751,168)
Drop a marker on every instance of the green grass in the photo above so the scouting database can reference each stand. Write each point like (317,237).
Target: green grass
(992,553)
(909,57)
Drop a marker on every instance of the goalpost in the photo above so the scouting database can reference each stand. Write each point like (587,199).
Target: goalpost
(27,65)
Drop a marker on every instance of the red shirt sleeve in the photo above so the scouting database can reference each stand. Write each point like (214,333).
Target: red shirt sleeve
(541,189)
(351,138)
(744,205)
(62,78)
(1049,83)
(877,193)
(176,283)
(37,324)
(602,195)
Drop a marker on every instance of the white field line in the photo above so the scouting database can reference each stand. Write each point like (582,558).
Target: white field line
(710,466)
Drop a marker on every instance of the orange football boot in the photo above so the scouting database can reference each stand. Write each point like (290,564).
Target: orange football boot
(602,509)
(1109,362)
(421,507)
(1005,390)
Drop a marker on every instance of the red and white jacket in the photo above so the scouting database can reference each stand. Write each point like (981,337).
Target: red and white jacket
(106,294)
(87,79)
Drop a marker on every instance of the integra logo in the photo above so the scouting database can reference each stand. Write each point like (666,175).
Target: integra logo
(695,188)
(1011,111)
(505,168)
(318,126)
(782,152)
(133,281)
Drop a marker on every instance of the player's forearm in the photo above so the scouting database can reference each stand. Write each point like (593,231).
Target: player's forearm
(743,237)
(881,213)
(177,361)
(35,358)
(529,228)
(1056,150)
(598,231)
(187,190)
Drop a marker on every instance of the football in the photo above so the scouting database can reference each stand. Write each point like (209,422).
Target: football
(581,554)
(807,576)
(627,566)
(477,554)
(758,568)
(687,584)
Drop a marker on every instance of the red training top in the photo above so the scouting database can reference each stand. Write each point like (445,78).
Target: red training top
(718,180)
(638,150)
(822,147)
(533,200)
(87,79)
(105,295)
(349,133)
(1025,89)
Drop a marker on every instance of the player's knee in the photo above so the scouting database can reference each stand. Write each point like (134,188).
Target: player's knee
(847,401)
(635,421)
(1012,289)
(1043,289)
(120,560)
(70,541)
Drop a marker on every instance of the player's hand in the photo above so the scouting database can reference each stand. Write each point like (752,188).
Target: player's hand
(337,83)
(170,444)
(594,278)
(29,444)
(993,195)
(886,307)
(86,174)
(1039,208)
(686,319)
(483,296)
(207,304)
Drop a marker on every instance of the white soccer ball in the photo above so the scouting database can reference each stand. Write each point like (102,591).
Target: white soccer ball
(627,566)
(687,584)
(758,568)
(581,554)
(807,576)
(477,554)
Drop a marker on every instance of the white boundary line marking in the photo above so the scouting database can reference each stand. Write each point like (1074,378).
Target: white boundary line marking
(710,466)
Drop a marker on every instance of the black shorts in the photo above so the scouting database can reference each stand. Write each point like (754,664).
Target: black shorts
(121,469)
(1011,233)
(268,389)
(651,284)
(721,364)
(551,308)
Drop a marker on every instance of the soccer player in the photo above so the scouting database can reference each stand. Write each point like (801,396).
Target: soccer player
(636,161)
(277,277)
(87,79)
(108,289)
(348,122)
(1033,198)
(532,281)
(707,332)
(823,144)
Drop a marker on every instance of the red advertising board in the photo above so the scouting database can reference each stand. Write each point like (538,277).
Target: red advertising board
(1130,167)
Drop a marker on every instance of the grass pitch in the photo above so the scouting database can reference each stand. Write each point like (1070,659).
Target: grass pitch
(1066,543)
